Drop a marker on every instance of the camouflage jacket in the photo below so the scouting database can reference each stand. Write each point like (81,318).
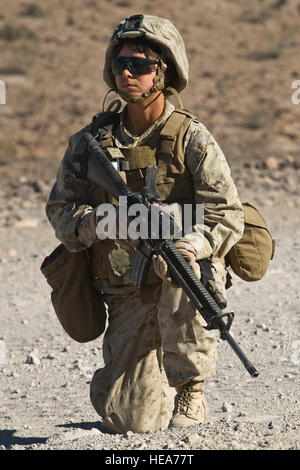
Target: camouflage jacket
(72,202)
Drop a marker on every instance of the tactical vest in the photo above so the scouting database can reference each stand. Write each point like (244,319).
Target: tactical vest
(174,184)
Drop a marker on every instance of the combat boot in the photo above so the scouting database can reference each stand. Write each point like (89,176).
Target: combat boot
(190,405)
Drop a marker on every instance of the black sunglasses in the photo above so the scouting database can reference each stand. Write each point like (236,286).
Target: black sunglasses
(135,65)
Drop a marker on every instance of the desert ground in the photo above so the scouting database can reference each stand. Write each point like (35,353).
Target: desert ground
(244,58)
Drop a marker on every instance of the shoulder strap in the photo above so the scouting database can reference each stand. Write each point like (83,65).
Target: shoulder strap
(170,130)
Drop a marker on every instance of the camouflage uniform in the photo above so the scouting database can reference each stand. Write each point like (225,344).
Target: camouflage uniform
(154,340)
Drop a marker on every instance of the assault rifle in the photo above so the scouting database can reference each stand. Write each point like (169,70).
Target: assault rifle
(100,170)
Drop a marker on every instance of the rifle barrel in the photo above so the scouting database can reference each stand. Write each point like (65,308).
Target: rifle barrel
(201,298)
(238,351)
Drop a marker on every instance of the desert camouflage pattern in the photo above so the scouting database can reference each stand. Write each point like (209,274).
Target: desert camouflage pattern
(72,202)
(223,221)
(155,342)
(73,221)
(162,33)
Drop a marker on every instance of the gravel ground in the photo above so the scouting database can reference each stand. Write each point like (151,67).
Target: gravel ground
(241,89)
(45,375)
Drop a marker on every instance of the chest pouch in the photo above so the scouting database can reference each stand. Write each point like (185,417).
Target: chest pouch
(138,158)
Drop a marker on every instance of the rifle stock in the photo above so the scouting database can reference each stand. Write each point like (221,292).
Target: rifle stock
(100,170)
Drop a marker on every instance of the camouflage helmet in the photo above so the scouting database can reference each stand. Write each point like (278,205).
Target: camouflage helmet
(160,32)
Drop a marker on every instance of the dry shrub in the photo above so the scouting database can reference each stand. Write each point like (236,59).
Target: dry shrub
(7,152)
(12,32)
(259,114)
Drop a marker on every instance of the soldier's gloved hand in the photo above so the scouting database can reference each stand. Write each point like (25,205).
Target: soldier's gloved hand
(187,251)
(114,229)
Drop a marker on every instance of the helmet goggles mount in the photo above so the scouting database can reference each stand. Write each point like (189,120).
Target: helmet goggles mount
(132,24)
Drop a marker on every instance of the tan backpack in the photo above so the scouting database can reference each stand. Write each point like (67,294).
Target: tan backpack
(249,258)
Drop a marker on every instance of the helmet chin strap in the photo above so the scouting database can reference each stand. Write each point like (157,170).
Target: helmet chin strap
(158,84)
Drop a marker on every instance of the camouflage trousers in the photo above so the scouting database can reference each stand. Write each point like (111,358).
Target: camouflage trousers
(155,341)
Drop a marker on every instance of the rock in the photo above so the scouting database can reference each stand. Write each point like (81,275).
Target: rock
(261,325)
(33,447)
(28,222)
(142,446)
(50,356)
(170,445)
(194,440)
(13,374)
(271,163)
(17,447)
(182,444)
(227,408)
(288,160)
(77,364)
(12,253)
(33,358)
(65,384)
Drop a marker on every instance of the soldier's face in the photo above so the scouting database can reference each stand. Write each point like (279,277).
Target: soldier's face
(130,83)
